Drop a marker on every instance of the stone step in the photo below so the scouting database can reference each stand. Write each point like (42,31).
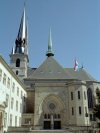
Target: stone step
(29,130)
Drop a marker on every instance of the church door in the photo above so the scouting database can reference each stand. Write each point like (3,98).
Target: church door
(47,124)
(57,124)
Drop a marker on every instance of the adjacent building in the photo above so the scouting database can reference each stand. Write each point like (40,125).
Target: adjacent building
(12,97)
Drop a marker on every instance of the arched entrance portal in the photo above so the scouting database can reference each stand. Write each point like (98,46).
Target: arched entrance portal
(52,112)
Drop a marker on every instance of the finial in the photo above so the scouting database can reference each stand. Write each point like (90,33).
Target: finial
(82,66)
(13,49)
(50,52)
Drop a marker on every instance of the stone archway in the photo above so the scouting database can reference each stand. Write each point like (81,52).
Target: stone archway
(53,112)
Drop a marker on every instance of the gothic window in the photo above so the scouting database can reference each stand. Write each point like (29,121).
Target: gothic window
(58,116)
(17,72)
(45,116)
(18,63)
(71,95)
(78,94)
(80,112)
(72,111)
(48,116)
(91,118)
(51,106)
(90,99)
(55,116)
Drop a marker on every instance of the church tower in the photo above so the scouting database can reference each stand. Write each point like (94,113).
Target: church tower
(19,56)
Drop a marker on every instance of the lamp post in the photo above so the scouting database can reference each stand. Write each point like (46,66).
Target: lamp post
(86,115)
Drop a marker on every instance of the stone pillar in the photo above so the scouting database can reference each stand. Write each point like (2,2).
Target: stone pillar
(52,122)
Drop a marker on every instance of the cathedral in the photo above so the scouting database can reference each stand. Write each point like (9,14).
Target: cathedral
(56,99)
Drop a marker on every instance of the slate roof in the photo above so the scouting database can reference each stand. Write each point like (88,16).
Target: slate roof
(81,75)
(51,69)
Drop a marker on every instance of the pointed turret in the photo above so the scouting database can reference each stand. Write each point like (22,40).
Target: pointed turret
(50,52)
(21,33)
(21,40)
(13,50)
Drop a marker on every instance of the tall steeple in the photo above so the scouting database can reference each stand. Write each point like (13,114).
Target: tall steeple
(49,52)
(21,38)
(19,57)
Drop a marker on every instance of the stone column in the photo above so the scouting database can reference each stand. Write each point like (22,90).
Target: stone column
(52,122)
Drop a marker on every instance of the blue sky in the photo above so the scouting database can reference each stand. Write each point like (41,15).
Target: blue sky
(75,26)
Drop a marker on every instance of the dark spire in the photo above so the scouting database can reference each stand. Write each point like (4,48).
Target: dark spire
(50,52)
(21,40)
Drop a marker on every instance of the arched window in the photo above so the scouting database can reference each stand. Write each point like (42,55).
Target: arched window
(59,116)
(48,116)
(17,72)
(45,116)
(55,116)
(18,63)
(90,98)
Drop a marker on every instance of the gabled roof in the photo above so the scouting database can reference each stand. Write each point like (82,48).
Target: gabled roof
(50,69)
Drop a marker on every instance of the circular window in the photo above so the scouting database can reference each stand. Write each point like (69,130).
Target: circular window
(51,106)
